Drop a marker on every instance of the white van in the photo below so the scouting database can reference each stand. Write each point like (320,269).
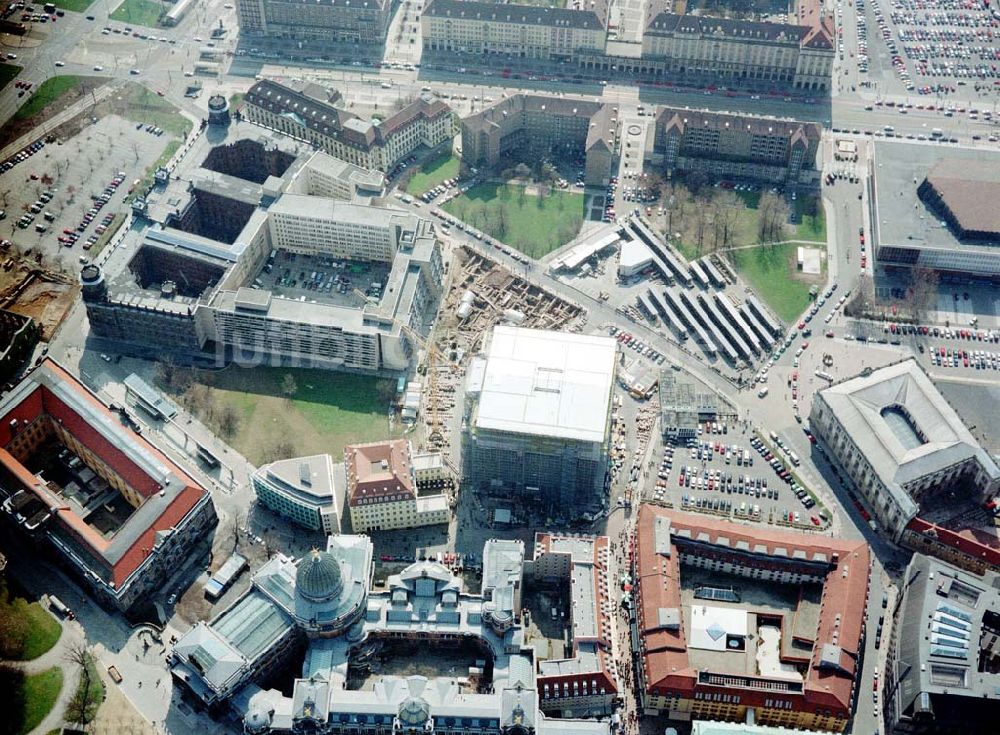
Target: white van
(762,392)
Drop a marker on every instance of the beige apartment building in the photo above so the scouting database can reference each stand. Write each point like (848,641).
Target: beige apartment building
(382,489)
(330,21)
(542,123)
(775,150)
(674,45)
(482,28)
(308,112)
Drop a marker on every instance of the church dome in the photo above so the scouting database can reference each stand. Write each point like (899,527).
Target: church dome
(318,578)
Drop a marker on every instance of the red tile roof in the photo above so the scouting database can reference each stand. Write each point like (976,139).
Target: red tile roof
(842,608)
(378,472)
(43,401)
(962,541)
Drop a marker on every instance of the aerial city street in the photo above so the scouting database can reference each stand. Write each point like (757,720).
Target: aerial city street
(500,367)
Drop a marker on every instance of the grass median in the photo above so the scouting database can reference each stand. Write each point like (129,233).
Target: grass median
(48,93)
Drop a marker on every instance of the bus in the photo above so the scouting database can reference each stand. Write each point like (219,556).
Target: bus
(824,375)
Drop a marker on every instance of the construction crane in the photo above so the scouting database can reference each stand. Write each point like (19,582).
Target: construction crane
(435,436)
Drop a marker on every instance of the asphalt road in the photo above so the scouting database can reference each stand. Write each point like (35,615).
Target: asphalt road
(80,45)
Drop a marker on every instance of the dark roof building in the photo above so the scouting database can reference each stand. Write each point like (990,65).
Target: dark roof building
(693,639)
(309,112)
(772,149)
(943,667)
(117,511)
(965,193)
(524,122)
(936,211)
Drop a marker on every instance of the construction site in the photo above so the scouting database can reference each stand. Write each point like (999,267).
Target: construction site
(481,294)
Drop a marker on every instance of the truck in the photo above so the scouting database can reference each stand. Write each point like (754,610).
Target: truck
(60,607)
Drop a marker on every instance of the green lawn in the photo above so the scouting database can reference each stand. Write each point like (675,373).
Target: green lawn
(34,630)
(527,222)
(771,270)
(432,173)
(48,92)
(811,226)
(235,100)
(140,12)
(40,694)
(145,106)
(327,411)
(77,6)
(7,74)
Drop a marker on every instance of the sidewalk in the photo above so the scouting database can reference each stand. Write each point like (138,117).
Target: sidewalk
(57,657)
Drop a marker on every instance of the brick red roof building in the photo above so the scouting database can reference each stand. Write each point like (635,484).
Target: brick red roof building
(115,509)
(379,472)
(586,684)
(812,685)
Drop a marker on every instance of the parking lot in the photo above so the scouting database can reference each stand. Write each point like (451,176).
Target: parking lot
(936,45)
(66,193)
(321,278)
(735,473)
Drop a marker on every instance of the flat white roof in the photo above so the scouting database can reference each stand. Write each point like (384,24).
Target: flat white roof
(547,383)
(711,625)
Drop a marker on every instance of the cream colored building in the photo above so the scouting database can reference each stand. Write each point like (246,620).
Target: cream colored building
(481,28)
(382,489)
(309,112)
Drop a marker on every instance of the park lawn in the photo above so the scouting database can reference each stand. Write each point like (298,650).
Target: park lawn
(770,269)
(77,6)
(145,106)
(432,172)
(744,233)
(48,92)
(8,72)
(41,691)
(810,227)
(527,222)
(139,12)
(40,632)
(235,100)
(328,411)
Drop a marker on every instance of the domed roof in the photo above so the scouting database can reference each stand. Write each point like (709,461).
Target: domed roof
(414,712)
(318,578)
(257,720)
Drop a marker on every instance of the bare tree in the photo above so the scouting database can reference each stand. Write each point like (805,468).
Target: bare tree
(864,300)
(288,386)
(229,421)
(729,212)
(922,292)
(82,706)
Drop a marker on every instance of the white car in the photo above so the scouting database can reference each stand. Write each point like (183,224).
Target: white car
(60,63)
(98,67)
